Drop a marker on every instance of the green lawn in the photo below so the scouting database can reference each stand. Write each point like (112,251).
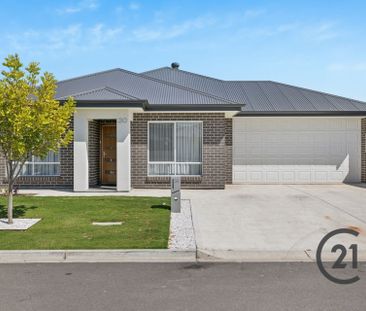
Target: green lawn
(67,223)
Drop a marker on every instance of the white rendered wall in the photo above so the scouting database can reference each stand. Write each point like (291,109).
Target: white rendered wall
(123,118)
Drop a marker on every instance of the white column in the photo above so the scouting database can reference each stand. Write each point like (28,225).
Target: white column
(123,153)
(81,163)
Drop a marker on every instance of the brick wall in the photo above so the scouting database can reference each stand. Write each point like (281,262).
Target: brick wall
(64,180)
(214,170)
(94,152)
(229,150)
(363,150)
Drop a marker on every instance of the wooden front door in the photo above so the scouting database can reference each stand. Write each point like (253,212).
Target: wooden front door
(108,155)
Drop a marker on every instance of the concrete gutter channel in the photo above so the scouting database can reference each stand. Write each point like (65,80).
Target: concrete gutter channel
(268,256)
(156,256)
(65,256)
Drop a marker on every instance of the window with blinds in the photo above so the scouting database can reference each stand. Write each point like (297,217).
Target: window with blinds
(175,148)
(48,166)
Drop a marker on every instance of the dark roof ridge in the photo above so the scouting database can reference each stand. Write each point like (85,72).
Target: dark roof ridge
(158,81)
(251,81)
(153,70)
(182,87)
(188,88)
(88,75)
(112,90)
(119,92)
(189,73)
(324,93)
(184,71)
(270,103)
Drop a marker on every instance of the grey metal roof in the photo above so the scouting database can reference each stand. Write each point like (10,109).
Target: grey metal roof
(104,93)
(169,88)
(113,83)
(190,80)
(262,96)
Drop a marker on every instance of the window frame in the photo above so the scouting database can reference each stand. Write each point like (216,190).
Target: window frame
(34,163)
(175,149)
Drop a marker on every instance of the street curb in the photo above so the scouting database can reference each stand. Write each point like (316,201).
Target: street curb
(94,256)
(251,256)
(204,255)
(159,256)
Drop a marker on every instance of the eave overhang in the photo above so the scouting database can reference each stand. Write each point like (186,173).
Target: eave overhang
(144,104)
(195,108)
(301,113)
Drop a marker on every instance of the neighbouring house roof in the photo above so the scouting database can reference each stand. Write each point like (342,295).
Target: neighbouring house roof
(175,89)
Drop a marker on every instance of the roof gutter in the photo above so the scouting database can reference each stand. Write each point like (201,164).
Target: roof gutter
(110,103)
(204,107)
(299,113)
(144,104)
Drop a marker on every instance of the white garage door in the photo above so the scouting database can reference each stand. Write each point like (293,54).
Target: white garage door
(296,150)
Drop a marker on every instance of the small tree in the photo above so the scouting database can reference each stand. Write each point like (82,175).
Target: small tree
(32,122)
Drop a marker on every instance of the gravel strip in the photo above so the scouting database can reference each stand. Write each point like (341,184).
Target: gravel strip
(181,229)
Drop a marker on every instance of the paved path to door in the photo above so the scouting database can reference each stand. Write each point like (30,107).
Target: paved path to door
(278,222)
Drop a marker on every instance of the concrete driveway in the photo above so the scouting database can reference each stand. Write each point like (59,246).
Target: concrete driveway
(276,222)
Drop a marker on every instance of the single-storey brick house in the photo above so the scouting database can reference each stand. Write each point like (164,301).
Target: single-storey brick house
(135,130)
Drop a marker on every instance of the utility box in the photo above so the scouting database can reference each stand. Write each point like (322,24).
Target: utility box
(175,194)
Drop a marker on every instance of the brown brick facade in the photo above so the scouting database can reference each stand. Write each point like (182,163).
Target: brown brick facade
(64,180)
(94,152)
(363,150)
(214,171)
(217,155)
(229,150)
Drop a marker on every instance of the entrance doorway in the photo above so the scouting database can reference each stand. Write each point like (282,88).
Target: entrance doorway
(108,155)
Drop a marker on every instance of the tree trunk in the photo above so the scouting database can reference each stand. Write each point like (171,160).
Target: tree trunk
(10,205)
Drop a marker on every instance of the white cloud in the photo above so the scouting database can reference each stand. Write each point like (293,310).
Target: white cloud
(134,6)
(318,32)
(67,39)
(169,32)
(347,67)
(84,5)
(62,39)
(252,13)
(101,34)
(321,32)
(119,9)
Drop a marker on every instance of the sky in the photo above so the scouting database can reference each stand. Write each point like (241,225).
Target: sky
(315,44)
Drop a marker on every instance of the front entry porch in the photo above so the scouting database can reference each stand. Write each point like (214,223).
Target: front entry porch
(102,155)
(102,149)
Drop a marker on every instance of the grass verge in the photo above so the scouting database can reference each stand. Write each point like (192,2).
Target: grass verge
(67,223)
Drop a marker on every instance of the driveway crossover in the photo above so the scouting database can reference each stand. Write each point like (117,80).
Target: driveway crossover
(282,220)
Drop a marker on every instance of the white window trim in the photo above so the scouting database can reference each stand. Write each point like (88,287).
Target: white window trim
(33,164)
(175,149)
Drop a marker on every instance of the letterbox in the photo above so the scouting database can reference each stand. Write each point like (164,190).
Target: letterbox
(175,194)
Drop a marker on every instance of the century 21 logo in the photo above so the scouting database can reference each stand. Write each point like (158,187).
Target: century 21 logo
(338,264)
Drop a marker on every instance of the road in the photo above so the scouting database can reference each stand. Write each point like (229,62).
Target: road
(178,286)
